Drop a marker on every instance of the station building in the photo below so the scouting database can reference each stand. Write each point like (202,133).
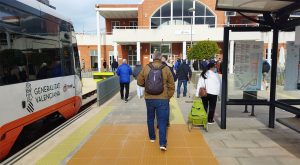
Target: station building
(136,31)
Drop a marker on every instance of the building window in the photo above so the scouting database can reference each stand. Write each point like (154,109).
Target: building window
(115,23)
(181,14)
(133,24)
(93,53)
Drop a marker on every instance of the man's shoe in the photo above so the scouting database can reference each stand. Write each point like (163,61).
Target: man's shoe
(152,141)
(184,95)
(126,100)
(163,148)
(211,122)
(122,98)
(178,96)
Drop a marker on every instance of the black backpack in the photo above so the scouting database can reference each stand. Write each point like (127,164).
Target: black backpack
(154,84)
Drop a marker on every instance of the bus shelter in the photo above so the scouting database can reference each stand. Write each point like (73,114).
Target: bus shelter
(275,16)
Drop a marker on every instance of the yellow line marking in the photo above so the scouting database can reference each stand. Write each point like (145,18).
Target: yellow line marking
(176,116)
(62,150)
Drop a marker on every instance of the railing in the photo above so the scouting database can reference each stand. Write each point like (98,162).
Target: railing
(157,27)
(210,26)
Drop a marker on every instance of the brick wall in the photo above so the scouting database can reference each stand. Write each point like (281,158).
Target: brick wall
(85,55)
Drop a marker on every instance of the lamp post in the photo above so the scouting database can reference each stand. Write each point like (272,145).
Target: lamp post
(191,10)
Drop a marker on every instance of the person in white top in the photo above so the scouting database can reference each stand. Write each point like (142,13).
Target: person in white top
(210,80)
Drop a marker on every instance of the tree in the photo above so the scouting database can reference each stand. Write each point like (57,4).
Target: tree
(203,50)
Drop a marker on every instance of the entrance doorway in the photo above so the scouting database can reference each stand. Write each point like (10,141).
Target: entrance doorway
(132,57)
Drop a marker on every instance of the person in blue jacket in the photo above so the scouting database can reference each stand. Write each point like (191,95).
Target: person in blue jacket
(124,72)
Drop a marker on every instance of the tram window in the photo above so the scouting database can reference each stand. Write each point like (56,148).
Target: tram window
(13,61)
(9,15)
(44,59)
(67,60)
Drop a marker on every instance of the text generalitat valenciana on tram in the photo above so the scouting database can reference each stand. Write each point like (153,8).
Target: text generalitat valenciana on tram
(46,92)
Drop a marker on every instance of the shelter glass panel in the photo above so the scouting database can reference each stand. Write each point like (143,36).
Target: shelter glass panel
(288,73)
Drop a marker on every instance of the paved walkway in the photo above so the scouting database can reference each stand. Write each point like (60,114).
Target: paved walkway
(117,130)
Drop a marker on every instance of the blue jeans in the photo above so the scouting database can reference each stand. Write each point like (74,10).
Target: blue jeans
(184,82)
(160,107)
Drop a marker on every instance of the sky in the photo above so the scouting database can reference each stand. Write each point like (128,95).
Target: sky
(82,12)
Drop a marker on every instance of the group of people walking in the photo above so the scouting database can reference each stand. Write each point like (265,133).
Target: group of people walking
(158,80)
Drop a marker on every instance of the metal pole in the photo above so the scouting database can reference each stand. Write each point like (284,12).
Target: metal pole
(273,79)
(224,79)
(191,33)
(99,41)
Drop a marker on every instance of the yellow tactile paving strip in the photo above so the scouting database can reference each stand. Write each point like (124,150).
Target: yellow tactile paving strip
(61,151)
(129,144)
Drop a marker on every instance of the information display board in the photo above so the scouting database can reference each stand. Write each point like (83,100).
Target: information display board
(292,68)
(248,65)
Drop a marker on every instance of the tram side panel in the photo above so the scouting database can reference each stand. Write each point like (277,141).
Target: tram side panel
(38,73)
(24,103)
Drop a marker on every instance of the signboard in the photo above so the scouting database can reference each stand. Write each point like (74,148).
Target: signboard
(184,32)
(248,65)
(292,69)
(297,37)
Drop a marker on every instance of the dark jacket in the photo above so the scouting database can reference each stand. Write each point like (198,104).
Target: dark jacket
(136,71)
(124,71)
(115,64)
(196,65)
(184,72)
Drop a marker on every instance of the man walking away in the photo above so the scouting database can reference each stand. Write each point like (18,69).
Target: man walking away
(104,65)
(124,71)
(159,88)
(184,75)
(265,71)
(177,64)
(136,72)
(114,65)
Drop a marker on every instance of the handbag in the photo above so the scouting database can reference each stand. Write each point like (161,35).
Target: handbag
(202,91)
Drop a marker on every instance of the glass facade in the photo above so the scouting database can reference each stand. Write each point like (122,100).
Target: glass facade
(180,14)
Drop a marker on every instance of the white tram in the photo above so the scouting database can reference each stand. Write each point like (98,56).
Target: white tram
(39,67)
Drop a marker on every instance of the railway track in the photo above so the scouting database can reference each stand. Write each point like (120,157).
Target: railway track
(88,100)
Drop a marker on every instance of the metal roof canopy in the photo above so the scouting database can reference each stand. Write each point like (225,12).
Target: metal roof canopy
(118,12)
(256,6)
(276,17)
(276,13)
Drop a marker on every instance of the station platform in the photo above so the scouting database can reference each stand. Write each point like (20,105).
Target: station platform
(116,133)
(88,85)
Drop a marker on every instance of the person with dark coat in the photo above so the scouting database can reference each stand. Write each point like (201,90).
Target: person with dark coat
(104,65)
(197,65)
(184,74)
(114,65)
(124,71)
(136,71)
